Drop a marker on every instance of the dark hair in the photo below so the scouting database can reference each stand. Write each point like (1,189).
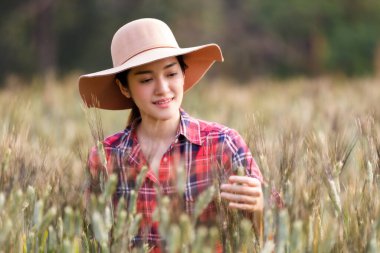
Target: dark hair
(123,78)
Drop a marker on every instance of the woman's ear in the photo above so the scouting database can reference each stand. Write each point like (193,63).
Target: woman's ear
(123,89)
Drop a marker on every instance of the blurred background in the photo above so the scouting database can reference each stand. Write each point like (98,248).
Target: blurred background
(300,83)
(271,38)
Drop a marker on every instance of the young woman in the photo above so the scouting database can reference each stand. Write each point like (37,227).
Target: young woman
(150,75)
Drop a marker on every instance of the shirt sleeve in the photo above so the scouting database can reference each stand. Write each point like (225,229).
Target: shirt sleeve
(242,156)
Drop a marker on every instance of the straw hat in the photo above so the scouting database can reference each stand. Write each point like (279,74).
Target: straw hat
(137,43)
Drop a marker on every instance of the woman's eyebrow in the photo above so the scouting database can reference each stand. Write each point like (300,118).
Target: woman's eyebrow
(170,65)
(142,72)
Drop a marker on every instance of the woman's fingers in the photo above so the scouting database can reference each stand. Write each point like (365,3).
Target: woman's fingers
(238,198)
(250,181)
(246,207)
(241,189)
(243,193)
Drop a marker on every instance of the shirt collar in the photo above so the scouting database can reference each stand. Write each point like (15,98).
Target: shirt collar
(189,128)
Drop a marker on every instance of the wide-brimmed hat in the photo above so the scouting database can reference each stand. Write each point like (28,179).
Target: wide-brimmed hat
(137,43)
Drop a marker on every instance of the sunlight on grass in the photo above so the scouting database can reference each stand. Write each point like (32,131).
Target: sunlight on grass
(316,141)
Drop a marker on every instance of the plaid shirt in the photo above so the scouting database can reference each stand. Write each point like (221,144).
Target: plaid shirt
(207,152)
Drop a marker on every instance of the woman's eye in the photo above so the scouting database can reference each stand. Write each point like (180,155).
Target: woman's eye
(172,74)
(146,80)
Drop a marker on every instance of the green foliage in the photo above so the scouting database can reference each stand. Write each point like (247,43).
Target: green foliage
(271,37)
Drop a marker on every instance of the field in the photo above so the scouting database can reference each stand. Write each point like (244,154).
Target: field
(316,141)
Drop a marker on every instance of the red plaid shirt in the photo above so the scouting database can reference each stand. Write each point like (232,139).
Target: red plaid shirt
(206,151)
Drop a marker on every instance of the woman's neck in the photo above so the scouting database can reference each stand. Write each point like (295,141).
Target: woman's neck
(155,137)
(158,130)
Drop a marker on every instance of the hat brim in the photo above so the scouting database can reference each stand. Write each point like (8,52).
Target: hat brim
(100,90)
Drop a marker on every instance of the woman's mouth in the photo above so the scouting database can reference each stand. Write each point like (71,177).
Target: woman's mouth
(162,102)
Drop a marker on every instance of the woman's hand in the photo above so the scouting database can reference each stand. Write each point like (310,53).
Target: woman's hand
(243,193)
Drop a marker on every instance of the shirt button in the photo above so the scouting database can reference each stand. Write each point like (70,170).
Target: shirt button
(165,159)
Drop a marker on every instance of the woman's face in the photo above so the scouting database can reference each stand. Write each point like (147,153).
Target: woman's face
(157,89)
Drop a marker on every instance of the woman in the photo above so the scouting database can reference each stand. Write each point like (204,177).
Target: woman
(150,75)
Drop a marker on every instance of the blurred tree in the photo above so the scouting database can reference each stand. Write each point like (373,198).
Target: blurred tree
(306,37)
(258,37)
(28,38)
(15,42)
(353,36)
(44,36)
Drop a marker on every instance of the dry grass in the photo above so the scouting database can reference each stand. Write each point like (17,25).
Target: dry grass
(316,141)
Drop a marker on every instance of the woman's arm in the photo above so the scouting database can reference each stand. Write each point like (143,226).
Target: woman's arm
(244,190)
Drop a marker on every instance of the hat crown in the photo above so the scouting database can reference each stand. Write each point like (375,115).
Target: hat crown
(139,36)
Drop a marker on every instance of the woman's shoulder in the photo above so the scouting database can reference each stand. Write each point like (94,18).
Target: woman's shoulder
(118,138)
(211,129)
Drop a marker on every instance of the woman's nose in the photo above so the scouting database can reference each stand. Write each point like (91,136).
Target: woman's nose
(162,85)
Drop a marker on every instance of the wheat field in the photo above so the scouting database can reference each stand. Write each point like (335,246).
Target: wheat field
(317,142)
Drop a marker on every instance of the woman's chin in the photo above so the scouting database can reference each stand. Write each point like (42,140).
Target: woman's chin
(166,114)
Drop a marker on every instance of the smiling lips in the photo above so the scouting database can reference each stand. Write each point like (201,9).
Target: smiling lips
(163,102)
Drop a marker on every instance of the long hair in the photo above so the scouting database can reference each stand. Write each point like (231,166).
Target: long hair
(123,78)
